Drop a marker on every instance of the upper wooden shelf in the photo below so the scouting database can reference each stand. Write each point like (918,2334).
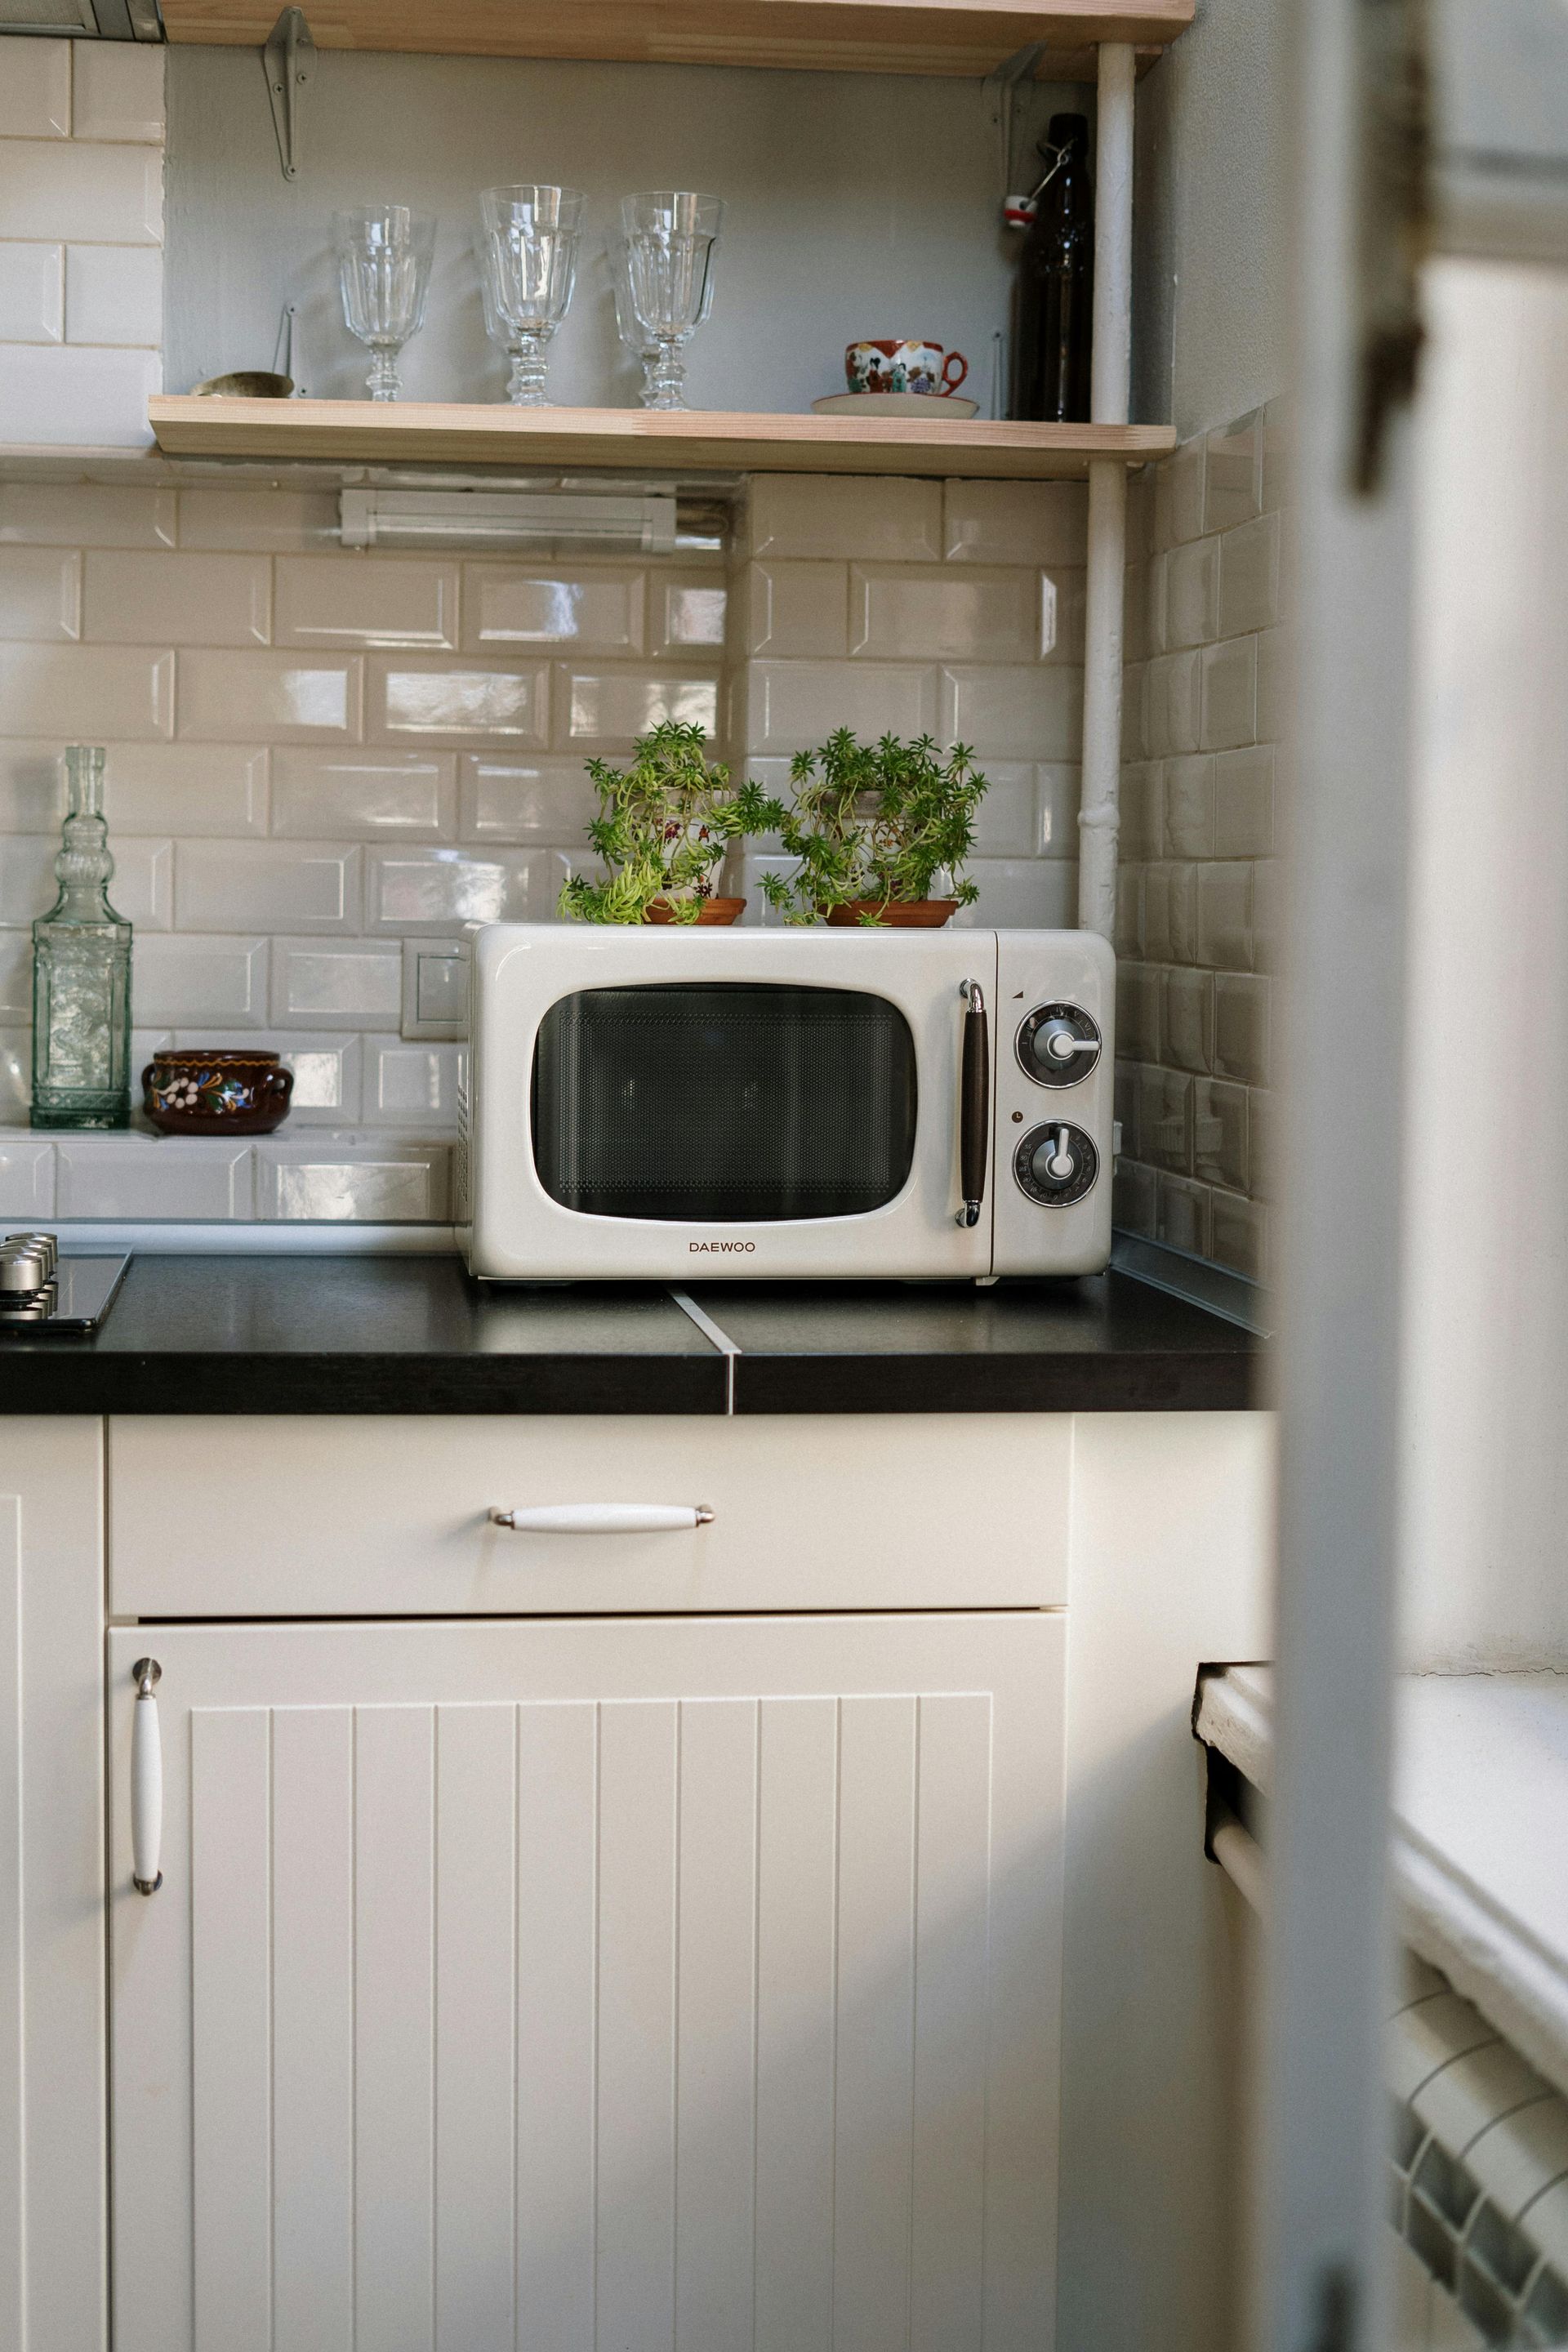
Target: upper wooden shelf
(363,431)
(919,36)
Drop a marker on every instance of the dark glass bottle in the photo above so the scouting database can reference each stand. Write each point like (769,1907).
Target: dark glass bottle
(1053,311)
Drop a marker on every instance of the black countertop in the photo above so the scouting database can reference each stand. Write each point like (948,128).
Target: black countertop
(414,1335)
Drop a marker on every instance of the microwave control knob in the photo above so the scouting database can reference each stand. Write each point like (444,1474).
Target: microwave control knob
(1057,1045)
(1054,1165)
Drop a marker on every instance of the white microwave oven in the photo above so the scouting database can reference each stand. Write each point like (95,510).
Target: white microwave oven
(660,1103)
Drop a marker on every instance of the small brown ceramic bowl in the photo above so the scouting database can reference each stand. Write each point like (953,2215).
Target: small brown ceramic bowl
(223,1092)
(709,911)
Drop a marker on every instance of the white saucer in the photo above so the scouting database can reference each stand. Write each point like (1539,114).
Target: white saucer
(929,404)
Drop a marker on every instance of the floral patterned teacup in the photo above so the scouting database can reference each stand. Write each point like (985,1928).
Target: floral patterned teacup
(909,366)
(223,1092)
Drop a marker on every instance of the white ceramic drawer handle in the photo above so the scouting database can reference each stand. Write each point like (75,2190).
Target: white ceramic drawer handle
(603,1518)
(146,1781)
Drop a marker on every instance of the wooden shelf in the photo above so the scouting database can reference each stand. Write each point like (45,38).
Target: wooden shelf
(921,37)
(401,433)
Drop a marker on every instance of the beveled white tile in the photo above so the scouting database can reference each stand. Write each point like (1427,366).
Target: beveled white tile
(434,990)
(15,975)
(41,592)
(106,196)
(1179,496)
(119,91)
(234,698)
(15,1077)
(36,91)
(1006,824)
(366,599)
(114,294)
(1230,694)
(511,797)
(166,1177)
(326,1069)
(686,611)
(254,885)
(1174,704)
(598,610)
(376,796)
(794,705)
(604,710)
(32,293)
(754,866)
(178,981)
(1244,803)
(410,1086)
(71,396)
(1192,594)
(27,885)
(1015,522)
(258,521)
(452,702)
(136,599)
(180,788)
(357,1182)
(1022,893)
(1250,577)
(86,514)
(26,1177)
(143,886)
(923,612)
(1013,712)
(1058,790)
(1063,598)
(320,984)
(797,611)
(1233,475)
(887,516)
(437,889)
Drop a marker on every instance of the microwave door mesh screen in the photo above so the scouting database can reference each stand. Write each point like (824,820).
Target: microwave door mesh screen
(721,1103)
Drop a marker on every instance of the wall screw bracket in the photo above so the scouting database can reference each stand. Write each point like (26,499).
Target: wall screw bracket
(289,60)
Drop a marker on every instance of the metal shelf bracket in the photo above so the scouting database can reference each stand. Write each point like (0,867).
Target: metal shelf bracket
(289,59)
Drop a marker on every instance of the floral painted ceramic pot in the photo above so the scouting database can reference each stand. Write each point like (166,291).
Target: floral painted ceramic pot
(223,1092)
(907,366)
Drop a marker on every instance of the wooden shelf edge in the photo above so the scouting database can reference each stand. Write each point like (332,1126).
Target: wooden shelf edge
(635,440)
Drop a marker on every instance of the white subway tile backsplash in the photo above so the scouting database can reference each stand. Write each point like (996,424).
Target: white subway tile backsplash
(1008,823)
(434,990)
(1192,594)
(595,611)
(32,292)
(41,592)
(322,984)
(1250,577)
(81,194)
(27,886)
(119,91)
(687,610)
(136,599)
(1244,803)
(1057,793)
(510,797)
(373,795)
(922,612)
(86,514)
(605,709)
(69,395)
(142,887)
(1233,475)
(154,1176)
(1062,598)
(1189,806)
(1179,497)
(254,886)
(797,611)
(1015,522)
(163,788)
(360,600)
(114,294)
(257,522)
(410,1086)
(796,705)
(178,979)
(106,690)
(15,1077)
(438,889)
(359,1180)
(882,515)
(1230,694)
(36,92)
(1173,704)
(234,698)
(1014,713)
(454,703)
(326,1070)
(1022,893)
(15,975)
(26,1177)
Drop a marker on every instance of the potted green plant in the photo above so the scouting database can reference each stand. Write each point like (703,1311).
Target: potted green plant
(663,827)
(874,826)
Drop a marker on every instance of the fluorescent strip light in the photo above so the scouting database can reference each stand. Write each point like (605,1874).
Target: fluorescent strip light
(501,519)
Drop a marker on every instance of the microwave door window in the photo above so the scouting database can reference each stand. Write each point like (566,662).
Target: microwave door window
(721,1103)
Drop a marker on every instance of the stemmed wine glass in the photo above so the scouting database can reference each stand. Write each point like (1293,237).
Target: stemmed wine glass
(383,269)
(531,235)
(634,335)
(669,235)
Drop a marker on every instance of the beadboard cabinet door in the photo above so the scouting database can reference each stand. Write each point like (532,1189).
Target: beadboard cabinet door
(613,1986)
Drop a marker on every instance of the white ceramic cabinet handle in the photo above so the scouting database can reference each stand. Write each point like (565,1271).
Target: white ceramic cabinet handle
(603,1518)
(146,1781)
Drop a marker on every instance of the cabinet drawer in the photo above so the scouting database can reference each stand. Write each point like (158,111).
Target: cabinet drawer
(344,1518)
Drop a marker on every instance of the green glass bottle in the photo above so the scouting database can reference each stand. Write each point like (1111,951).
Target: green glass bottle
(82,971)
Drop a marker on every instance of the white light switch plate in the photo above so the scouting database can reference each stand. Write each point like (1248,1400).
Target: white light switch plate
(434,990)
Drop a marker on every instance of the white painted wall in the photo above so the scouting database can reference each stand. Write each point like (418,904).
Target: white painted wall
(858,204)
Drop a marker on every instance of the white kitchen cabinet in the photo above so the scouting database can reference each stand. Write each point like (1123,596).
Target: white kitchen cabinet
(637,1983)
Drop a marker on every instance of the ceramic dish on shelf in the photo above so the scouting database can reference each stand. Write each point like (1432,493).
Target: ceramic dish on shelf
(894,404)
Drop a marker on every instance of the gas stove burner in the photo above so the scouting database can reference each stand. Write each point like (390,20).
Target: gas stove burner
(40,1291)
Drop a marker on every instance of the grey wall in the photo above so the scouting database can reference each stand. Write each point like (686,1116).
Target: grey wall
(1213,225)
(858,204)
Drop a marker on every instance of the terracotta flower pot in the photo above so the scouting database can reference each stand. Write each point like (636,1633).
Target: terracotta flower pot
(225,1092)
(896,914)
(709,911)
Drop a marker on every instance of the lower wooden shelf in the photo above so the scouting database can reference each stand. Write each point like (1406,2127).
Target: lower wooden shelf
(639,441)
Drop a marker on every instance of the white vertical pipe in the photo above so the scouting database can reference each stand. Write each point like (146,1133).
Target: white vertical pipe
(1110,400)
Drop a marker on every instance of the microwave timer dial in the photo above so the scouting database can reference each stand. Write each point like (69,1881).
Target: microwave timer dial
(1055,1164)
(1057,1045)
